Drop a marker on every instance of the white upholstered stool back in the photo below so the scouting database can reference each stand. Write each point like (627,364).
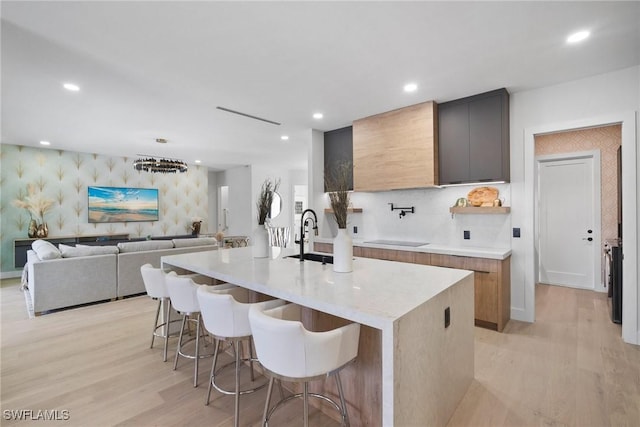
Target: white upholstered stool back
(290,352)
(154,284)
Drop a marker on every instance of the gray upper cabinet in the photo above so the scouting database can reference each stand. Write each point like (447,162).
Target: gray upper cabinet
(474,138)
(338,150)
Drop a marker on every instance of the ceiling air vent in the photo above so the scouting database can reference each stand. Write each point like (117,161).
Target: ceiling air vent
(248,115)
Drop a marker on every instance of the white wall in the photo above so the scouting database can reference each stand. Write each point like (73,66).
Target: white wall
(240,215)
(288,178)
(614,95)
(210,225)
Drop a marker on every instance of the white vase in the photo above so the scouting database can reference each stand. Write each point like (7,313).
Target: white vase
(260,242)
(342,252)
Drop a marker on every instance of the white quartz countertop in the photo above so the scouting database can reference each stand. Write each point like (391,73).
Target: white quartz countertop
(467,251)
(376,293)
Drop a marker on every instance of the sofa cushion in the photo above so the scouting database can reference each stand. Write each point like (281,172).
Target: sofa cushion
(78,251)
(45,250)
(200,241)
(146,245)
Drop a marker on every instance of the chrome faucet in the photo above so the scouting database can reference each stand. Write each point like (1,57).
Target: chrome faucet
(303,224)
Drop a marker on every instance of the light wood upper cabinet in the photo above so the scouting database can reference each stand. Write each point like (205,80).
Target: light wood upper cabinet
(397,149)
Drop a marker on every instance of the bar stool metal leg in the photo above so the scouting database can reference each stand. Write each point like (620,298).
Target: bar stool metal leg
(237,404)
(197,352)
(345,414)
(306,404)
(167,322)
(155,324)
(266,405)
(184,321)
(213,369)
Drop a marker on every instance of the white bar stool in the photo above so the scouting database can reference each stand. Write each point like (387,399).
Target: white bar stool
(183,295)
(225,313)
(289,352)
(154,283)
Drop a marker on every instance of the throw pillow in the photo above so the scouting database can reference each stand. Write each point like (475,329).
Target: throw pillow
(199,241)
(45,250)
(79,251)
(145,245)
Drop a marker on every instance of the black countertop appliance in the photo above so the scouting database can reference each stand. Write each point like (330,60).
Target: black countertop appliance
(615,278)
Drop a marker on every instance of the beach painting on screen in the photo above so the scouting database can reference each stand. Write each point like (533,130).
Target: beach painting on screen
(122,204)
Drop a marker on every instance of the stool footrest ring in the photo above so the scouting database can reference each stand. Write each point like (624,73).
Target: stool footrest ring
(232,392)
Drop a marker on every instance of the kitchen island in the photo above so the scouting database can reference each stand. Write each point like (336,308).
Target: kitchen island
(411,369)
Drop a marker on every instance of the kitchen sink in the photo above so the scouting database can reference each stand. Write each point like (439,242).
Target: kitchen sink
(397,243)
(325,259)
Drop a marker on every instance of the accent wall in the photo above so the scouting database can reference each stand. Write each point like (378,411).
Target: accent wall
(63,176)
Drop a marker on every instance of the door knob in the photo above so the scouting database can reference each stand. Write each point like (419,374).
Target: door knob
(590,239)
(589,231)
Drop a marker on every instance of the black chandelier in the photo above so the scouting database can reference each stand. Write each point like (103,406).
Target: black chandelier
(160,165)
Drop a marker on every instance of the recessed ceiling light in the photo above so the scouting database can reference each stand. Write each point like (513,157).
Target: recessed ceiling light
(72,87)
(284,137)
(197,161)
(578,37)
(410,87)
(318,115)
(45,143)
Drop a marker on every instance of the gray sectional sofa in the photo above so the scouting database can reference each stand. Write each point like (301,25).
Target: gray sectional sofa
(67,276)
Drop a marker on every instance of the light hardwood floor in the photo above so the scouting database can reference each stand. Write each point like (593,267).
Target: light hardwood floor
(570,368)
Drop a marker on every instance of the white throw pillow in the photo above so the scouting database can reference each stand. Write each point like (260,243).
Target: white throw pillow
(198,241)
(145,245)
(80,251)
(64,249)
(45,250)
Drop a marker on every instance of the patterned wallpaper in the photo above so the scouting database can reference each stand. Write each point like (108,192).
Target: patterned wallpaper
(607,139)
(64,176)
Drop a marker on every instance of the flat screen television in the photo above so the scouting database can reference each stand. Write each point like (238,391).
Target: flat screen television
(122,204)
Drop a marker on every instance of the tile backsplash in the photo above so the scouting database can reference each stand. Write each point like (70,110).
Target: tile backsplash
(432,222)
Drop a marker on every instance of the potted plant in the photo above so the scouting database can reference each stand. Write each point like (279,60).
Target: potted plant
(263,205)
(337,181)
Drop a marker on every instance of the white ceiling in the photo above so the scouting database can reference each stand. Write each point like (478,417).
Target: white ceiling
(152,70)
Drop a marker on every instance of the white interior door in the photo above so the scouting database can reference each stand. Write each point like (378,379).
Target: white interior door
(569,221)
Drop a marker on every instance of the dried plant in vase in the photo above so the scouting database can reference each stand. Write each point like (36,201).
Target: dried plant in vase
(337,182)
(37,205)
(265,199)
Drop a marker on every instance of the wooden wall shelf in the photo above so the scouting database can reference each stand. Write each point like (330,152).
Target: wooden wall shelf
(480,210)
(349,210)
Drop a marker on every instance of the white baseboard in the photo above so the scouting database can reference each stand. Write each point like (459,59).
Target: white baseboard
(10,274)
(519,314)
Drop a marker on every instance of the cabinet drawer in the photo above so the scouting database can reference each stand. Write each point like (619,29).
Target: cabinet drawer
(323,247)
(450,261)
(482,264)
(422,258)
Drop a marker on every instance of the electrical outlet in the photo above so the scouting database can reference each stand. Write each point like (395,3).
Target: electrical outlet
(355,229)
(467,234)
(447,317)
(516,232)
